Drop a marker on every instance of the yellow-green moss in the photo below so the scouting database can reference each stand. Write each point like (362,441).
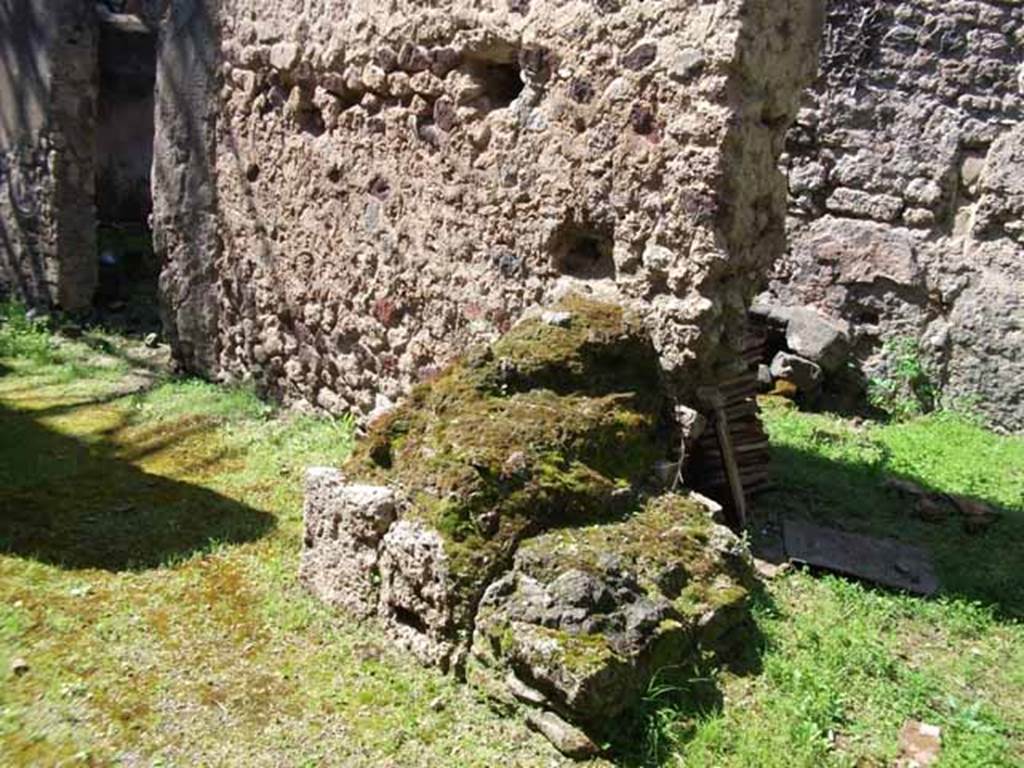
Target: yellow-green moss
(542,430)
(582,654)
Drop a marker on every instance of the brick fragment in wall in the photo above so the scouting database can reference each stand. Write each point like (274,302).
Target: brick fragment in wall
(527,151)
(904,219)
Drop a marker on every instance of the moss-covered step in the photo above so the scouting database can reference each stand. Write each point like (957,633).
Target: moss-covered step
(589,615)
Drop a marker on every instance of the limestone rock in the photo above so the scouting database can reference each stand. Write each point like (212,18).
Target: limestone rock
(817,338)
(344,526)
(418,603)
(552,425)
(805,374)
(920,745)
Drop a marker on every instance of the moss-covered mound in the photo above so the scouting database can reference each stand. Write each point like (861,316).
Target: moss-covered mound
(507,509)
(556,425)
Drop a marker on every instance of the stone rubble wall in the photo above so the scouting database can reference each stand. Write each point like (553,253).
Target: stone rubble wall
(47,137)
(348,193)
(906,179)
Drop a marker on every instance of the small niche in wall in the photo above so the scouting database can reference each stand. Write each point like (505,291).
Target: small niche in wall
(583,252)
(497,76)
(502,82)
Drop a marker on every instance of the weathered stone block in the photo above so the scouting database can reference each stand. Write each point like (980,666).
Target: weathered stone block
(587,616)
(529,533)
(821,340)
(344,525)
(418,602)
(805,374)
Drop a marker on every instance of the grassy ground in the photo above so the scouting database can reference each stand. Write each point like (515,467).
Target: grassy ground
(149,536)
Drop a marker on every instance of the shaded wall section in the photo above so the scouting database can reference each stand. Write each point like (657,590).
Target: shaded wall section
(47,151)
(906,179)
(124,140)
(185,235)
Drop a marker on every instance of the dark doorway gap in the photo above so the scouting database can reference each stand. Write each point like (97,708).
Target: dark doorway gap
(126,295)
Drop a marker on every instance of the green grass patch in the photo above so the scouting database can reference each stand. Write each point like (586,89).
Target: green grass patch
(149,538)
(833,470)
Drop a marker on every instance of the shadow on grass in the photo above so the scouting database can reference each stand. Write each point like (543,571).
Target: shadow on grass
(680,698)
(83,503)
(986,566)
(152,364)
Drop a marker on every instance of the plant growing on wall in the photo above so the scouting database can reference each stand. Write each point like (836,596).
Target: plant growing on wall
(907,388)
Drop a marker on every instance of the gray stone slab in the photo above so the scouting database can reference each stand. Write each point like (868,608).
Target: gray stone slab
(887,562)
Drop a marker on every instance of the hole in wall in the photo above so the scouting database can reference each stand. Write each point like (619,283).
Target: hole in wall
(865,316)
(500,82)
(405,617)
(309,119)
(428,132)
(380,188)
(584,252)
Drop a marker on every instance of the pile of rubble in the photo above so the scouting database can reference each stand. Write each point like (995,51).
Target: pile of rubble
(506,524)
(809,351)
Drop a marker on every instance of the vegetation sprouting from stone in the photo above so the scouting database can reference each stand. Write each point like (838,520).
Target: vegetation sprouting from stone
(907,388)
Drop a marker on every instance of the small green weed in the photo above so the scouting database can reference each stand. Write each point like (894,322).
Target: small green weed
(22,336)
(908,388)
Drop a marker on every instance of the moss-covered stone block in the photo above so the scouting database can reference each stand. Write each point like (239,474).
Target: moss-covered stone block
(557,424)
(529,546)
(587,616)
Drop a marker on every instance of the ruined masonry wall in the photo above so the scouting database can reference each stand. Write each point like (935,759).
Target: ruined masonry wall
(906,174)
(47,135)
(371,187)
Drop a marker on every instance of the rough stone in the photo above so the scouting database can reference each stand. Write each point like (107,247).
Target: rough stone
(447,179)
(570,741)
(920,745)
(817,338)
(501,523)
(48,62)
(805,374)
(587,616)
(344,526)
